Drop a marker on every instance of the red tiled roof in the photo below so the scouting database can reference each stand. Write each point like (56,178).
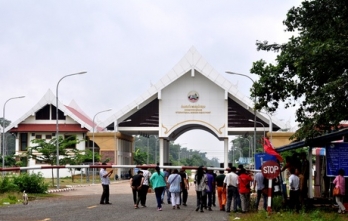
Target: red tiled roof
(48,128)
(80,115)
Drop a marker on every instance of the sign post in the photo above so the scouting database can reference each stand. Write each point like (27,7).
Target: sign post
(270,170)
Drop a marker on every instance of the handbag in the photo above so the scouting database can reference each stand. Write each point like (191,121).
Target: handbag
(336,191)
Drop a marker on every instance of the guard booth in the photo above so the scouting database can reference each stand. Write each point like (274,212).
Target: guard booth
(329,153)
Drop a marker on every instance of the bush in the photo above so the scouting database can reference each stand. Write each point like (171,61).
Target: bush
(7,185)
(31,183)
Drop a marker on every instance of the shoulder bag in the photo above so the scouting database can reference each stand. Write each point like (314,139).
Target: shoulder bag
(336,190)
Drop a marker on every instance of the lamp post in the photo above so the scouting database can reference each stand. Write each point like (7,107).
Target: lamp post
(264,131)
(230,72)
(93,137)
(57,125)
(3,130)
(270,125)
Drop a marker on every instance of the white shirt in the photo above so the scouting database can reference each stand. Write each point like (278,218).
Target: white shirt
(294,182)
(104,180)
(146,175)
(259,180)
(231,179)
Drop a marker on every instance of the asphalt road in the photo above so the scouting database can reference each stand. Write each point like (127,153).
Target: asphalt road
(83,204)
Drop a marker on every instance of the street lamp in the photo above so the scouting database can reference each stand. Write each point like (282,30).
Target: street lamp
(270,125)
(3,131)
(57,126)
(93,136)
(230,72)
(264,131)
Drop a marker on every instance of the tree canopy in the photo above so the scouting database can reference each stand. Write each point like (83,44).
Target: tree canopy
(310,70)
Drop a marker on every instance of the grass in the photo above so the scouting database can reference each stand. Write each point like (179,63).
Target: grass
(16,197)
(315,215)
(63,182)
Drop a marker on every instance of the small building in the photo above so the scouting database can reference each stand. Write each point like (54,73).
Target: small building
(40,123)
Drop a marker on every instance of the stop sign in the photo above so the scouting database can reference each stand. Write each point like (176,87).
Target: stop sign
(270,169)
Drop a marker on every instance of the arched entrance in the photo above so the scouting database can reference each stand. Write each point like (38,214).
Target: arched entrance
(191,96)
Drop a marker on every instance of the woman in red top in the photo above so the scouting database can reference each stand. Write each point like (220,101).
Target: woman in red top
(244,189)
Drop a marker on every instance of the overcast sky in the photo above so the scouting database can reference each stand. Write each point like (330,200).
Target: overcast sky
(127,45)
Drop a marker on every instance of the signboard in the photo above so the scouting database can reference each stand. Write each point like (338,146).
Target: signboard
(336,158)
(260,158)
(270,169)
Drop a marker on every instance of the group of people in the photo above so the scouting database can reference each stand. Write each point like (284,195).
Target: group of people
(233,189)
(172,183)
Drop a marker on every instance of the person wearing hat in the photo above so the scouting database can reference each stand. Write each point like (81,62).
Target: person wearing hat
(105,181)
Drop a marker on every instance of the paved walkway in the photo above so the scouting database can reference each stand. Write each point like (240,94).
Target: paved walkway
(82,203)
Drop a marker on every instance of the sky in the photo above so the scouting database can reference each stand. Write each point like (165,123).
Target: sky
(127,45)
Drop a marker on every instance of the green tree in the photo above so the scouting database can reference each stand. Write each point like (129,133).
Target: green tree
(46,150)
(310,70)
(78,157)
(139,157)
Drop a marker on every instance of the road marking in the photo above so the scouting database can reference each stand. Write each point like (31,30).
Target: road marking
(91,207)
(46,219)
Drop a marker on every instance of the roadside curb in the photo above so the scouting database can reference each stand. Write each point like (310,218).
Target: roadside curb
(74,187)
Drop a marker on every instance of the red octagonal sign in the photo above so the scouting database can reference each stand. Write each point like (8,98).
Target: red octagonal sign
(270,169)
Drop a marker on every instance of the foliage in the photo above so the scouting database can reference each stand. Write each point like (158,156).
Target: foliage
(139,157)
(9,160)
(310,69)
(277,203)
(46,150)
(147,151)
(7,185)
(31,183)
(10,139)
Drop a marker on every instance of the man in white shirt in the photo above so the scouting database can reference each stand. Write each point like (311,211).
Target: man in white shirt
(259,185)
(231,182)
(294,184)
(105,181)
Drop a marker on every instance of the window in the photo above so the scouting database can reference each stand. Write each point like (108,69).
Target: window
(48,137)
(61,115)
(38,136)
(43,113)
(23,141)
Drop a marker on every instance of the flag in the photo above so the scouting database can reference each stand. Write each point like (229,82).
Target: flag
(268,148)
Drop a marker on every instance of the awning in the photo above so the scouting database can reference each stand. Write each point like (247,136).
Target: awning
(320,141)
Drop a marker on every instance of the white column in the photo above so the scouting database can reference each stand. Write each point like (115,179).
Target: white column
(161,151)
(310,183)
(226,152)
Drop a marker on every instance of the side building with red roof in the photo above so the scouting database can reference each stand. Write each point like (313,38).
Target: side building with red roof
(40,123)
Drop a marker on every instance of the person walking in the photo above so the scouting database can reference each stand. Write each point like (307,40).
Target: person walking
(166,190)
(221,192)
(136,183)
(231,184)
(145,186)
(200,187)
(340,183)
(259,186)
(105,181)
(210,189)
(184,187)
(174,182)
(158,182)
(244,189)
